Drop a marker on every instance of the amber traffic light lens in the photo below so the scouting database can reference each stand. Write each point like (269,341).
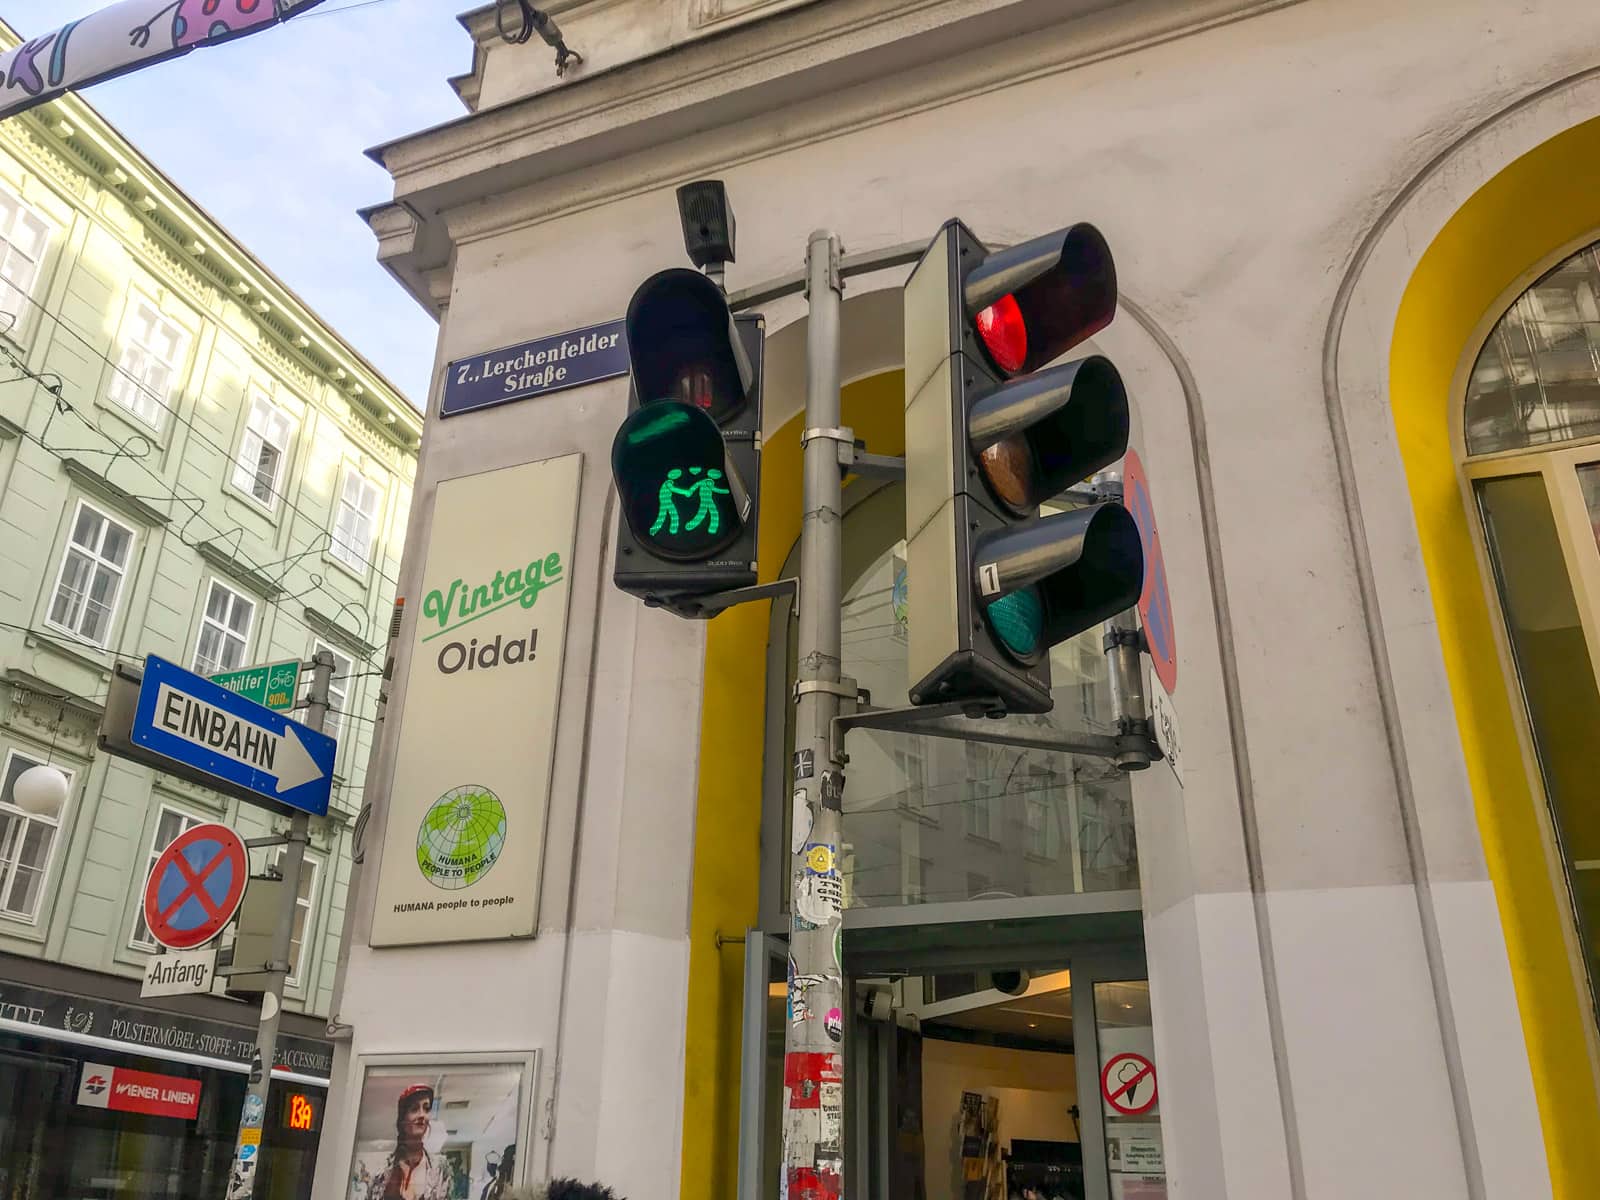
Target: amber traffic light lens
(1012,473)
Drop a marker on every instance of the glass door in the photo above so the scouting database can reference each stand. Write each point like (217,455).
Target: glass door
(1541,524)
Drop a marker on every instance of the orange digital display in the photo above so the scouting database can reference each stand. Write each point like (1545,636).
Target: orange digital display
(299,1112)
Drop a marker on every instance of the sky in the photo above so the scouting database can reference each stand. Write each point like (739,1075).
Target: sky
(287,178)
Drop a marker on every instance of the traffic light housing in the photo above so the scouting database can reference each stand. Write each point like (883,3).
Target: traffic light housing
(687,459)
(992,432)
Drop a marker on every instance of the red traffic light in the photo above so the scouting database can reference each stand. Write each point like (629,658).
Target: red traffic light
(1004,333)
(1033,302)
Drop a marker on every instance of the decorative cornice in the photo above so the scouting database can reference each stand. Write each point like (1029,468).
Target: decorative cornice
(642,126)
(114,494)
(71,141)
(325,626)
(242,572)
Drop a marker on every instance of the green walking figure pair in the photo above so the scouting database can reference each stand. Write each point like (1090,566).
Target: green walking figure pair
(705,489)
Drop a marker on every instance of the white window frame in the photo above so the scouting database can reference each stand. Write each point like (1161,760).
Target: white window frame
(236,597)
(338,689)
(20,213)
(128,389)
(357,559)
(189,822)
(98,560)
(8,876)
(309,867)
(257,435)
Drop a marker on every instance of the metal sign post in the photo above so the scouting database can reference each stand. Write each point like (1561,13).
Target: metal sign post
(248,1148)
(813,1065)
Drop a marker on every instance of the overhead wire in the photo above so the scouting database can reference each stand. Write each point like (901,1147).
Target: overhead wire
(172,411)
(53,385)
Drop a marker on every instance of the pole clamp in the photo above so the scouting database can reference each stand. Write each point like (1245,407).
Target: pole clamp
(844,436)
(844,690)
(1118,636)
(835,264)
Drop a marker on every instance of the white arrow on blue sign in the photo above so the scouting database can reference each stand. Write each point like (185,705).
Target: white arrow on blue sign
(203,725)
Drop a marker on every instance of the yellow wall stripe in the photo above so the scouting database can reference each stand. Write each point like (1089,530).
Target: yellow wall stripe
(727,833)
(1540,203)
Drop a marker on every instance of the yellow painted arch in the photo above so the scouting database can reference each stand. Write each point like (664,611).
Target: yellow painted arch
(1536,206)
(727,833)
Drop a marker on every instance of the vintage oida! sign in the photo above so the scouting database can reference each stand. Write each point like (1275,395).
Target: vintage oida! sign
(463,846)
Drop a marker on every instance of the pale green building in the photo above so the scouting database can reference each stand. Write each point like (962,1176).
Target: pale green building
(192,464)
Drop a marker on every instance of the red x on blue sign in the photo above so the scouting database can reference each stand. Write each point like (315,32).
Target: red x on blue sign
(195,887)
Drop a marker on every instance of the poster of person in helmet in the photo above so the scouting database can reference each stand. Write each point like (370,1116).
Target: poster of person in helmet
(434,1134)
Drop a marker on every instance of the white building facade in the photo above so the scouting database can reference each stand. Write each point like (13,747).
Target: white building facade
(1353,933)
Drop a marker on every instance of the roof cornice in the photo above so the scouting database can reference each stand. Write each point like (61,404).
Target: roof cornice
(147,190)
(645,124)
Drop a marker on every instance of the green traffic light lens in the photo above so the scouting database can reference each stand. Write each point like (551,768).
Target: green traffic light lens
(673,473)
(1017,619)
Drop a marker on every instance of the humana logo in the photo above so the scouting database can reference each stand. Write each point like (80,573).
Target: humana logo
(462,603)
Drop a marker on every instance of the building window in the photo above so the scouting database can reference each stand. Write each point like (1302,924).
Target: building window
(90,580)
(913,773)
(338,689)
(224,631)
(1535,385)
(258,472)
(23,237)
(983,791)
(27,841)
(170,825)
(304,902)
(356,520)
(151,361)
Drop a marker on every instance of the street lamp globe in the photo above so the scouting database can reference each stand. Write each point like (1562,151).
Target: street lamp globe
(41,791)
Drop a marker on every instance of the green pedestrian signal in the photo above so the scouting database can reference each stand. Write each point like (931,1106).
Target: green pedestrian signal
(687,458)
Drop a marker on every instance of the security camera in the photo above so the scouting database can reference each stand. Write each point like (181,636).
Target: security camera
(876,1003)
(708,227)
(1010,983)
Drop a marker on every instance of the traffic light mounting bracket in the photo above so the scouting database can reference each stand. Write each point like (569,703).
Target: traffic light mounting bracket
(959,720)
(703,608)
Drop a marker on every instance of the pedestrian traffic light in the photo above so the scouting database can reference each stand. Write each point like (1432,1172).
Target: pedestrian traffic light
(992,433)
(687,460)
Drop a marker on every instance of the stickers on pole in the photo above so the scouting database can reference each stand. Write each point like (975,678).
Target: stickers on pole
(814,1125)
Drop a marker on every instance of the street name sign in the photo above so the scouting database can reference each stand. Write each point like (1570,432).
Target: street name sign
(183,724)
(195,886)
(544,365)
(274,685)
(179,973)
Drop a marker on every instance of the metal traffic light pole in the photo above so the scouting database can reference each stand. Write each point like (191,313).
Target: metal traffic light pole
(813,1126)
(250,1144)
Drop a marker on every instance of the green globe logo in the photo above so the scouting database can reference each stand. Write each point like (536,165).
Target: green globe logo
(461,837)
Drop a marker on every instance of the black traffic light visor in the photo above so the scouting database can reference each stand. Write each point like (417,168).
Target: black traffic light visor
(1086,566)
(680,495)
(682,345)
(1069,422)
(1064,283)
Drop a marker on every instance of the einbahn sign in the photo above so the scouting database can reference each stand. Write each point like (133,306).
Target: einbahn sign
(186,725)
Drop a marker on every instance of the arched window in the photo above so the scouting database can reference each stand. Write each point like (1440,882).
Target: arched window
(1532,437)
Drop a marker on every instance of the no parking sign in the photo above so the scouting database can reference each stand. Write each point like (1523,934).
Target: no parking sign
(195,887)
(1155,604)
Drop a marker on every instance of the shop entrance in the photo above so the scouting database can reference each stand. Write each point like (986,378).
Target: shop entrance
(974,1074)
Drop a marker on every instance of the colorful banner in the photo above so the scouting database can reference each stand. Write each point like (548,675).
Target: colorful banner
(123,37)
